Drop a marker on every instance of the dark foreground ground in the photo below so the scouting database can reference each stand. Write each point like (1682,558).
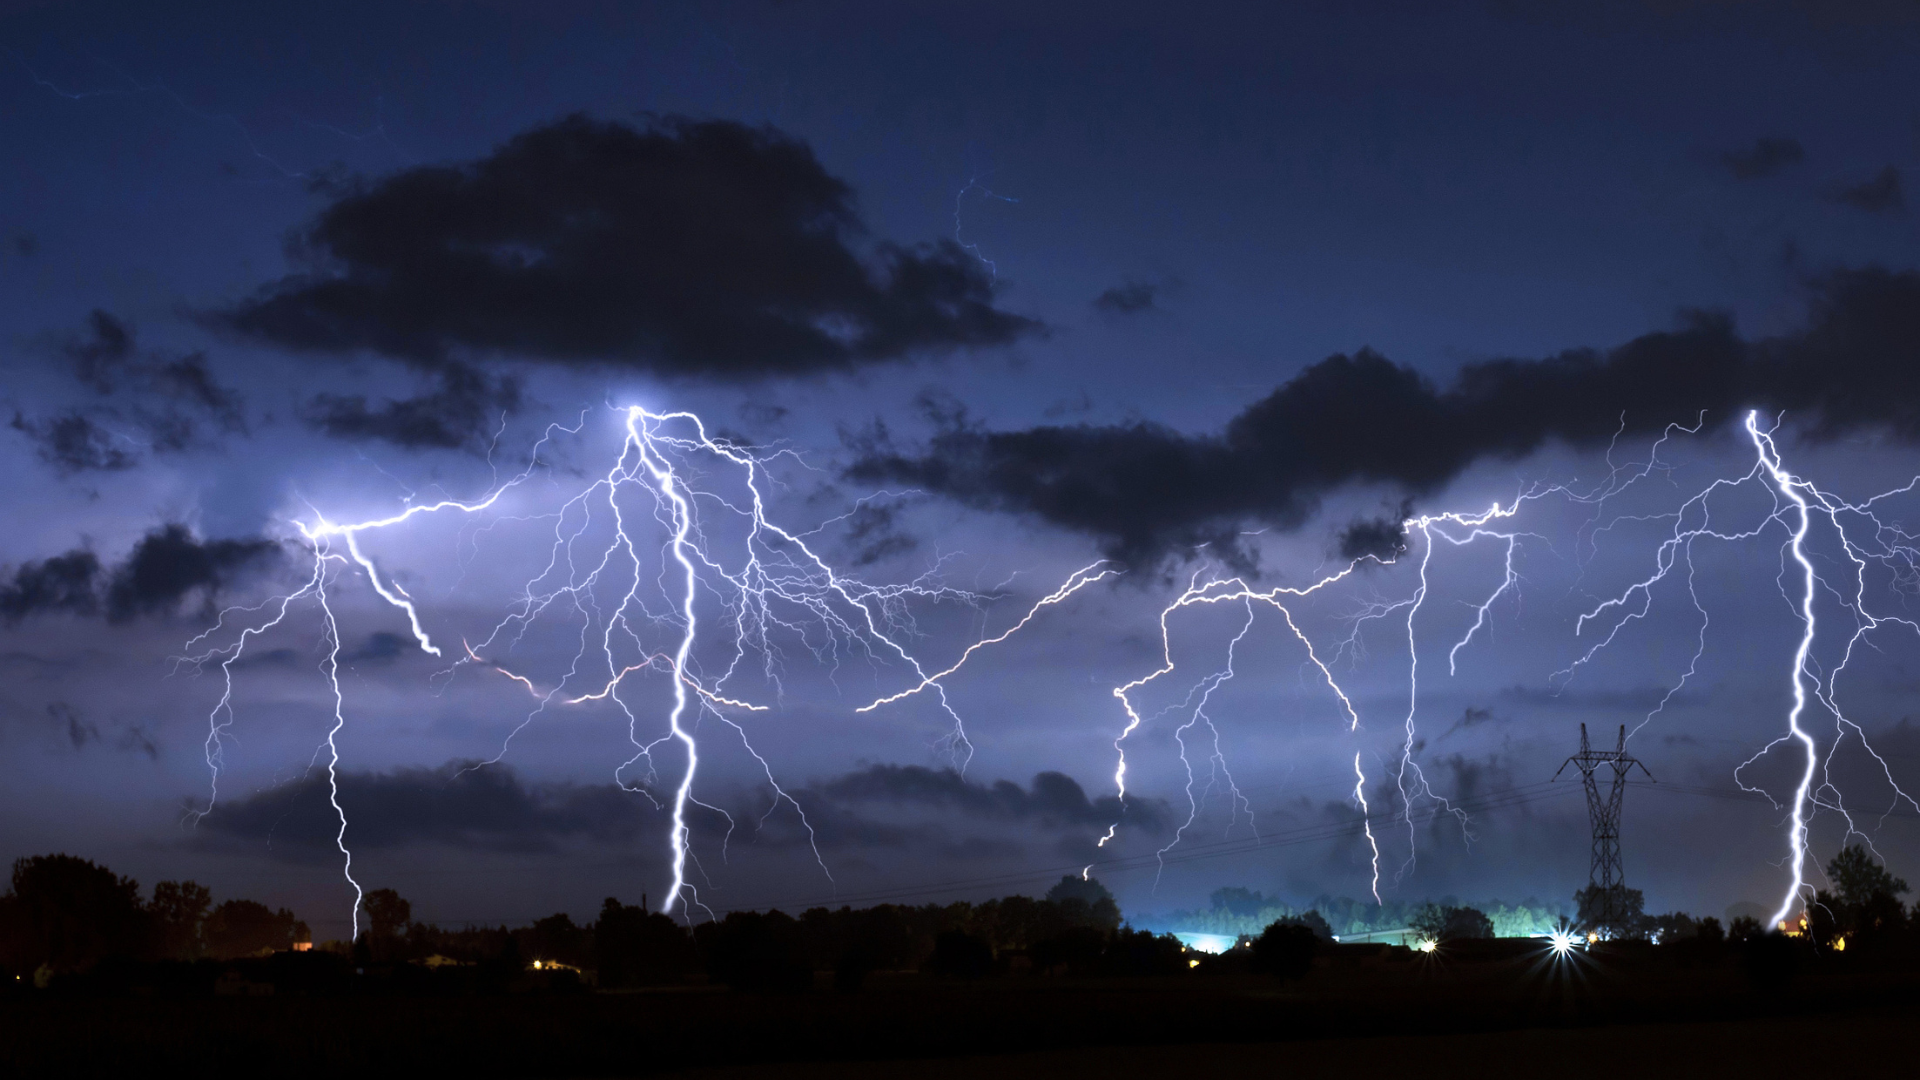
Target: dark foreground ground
(1516,1015)
(1867,1043)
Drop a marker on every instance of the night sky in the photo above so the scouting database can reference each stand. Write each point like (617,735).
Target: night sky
(996,291)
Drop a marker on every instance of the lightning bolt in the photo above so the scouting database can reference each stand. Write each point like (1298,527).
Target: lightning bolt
(766,586)
(1797,503)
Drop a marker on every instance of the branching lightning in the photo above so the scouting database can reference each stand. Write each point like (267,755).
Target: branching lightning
(1795,504)
(724,563)
(731,587)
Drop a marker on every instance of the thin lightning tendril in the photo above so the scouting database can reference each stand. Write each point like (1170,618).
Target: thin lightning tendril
(769,586)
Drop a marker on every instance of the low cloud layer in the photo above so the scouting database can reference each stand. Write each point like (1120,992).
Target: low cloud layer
(1054,800)
(1146,492)
(491,807)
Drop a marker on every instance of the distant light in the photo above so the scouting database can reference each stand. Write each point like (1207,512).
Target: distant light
(1562,942)
(1428,945)
(1840,945)
(1214,944)
(1193,963)
(536,965)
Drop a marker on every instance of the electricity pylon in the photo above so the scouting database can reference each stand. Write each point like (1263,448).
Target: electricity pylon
(1606,873)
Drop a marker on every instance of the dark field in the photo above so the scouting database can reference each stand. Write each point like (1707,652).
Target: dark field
(1505,1011)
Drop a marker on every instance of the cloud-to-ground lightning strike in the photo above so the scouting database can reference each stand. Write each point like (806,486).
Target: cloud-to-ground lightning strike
(1794,505)
(767,582)
(763,584)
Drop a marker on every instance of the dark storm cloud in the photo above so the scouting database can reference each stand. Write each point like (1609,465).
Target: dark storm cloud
(187,379)
(1764,158)
(704,249)
(143,402)
(1126,298)
(381,647)
(99,355)
(939,812)
(1382,538)
(465,407)
(64,583)
(1147,492)
(78,730)
(873,533)
(165,567)
(1054,799)
(491,808)
(73,443)
(170,562)
(1880,195)
(458,805)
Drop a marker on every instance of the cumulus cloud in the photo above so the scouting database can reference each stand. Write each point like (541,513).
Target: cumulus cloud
(380,647)
(142,402)
(1053,800)
(683,248)
(162,570)
(1764,158)
(1880,195)
(1127,298)
(73,442)
(1147,492)
(458,414)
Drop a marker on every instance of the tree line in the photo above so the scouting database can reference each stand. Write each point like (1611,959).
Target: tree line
(66,914)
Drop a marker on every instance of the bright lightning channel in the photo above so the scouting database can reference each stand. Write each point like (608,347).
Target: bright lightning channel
(769,585)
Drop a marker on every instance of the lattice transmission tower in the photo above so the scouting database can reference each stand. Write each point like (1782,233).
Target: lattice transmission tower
(1606,874)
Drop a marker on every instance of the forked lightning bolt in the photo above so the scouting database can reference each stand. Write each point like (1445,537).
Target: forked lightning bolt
(1864,538)
(762,584)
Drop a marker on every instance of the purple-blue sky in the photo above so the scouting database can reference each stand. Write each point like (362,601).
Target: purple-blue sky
(1045,267)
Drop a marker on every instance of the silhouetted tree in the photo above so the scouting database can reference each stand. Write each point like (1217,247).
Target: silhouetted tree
(1438,922)
(634,947)
(1708,930)
(752,951)
(1864,903)
(179,911)
(1672,927)
(1285,950)
(72,914)
(1313,921)
(556,938)
(1629,911)
(244,928)
(1133,952)
(1743,928)
(1100,907)
(388,913)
